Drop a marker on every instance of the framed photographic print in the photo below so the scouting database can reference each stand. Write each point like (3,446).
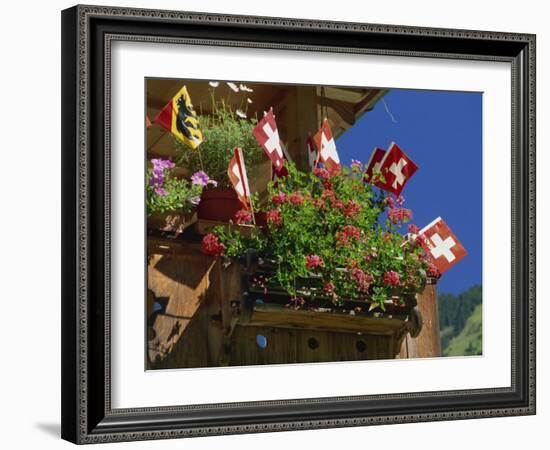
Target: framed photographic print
(281,224)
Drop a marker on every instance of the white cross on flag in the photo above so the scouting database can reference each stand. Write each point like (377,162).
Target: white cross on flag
(441,245)
(397,168)
(237,175)
(267,135)
(326,146)
(374,163)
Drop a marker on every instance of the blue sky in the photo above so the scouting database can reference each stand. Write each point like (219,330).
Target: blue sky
(442,133)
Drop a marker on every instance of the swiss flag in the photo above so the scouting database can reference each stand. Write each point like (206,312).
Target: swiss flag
(397,168)
(326,146)
(374,163)
(237,175)
(267,135)
(441,245)
(312,155)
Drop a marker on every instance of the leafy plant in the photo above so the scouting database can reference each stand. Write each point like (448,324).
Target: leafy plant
(166,193)
(324,233)
(223,130)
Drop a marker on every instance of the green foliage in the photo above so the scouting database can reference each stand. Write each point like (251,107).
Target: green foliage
(179,195)
(334,217)
(223,130)
(454,313)
(469,341)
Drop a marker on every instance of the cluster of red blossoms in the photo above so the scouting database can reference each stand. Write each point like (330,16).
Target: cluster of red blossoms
(296,198)
(392,202)
(313,261)
(413,229)
(274,217)
(391,278)
(242,216)
(323,174)
(432,270)
(349,232)
(279,199)
(351,208)
(364,280)
(399,215)
(212,246)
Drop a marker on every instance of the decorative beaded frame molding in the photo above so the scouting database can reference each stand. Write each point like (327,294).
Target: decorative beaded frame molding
(87,34)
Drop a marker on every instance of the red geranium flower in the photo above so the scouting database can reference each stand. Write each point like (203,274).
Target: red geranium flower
(352,208)
(399,215)
(313,261)
(279,198)
(274,217)
(328,287)
(296,198)
(242,216)
(364,280)
(352,231)
(391,278)
(319,203)
(323,174)
(433,271)
(212,246)
(413,229)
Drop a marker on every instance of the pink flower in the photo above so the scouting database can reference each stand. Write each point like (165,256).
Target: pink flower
(390,201)
(399,215)
(352,208)
(161,191)
(279,199)
(323,174)
(391,278)
(201,178)
(274,217)
(319,203)
(356,165)
(349,232)
(328,287)
(328,194)
(433,271)
(212,246)
(364,280)
(420,240)
(413,229)
(352,231)
(242,216)
(296,198)
(313,261)
(400,200)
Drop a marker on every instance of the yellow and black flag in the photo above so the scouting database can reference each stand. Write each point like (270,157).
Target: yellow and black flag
(180,119)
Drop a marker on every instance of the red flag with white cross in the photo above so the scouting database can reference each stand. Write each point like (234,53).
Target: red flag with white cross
(441,245)
(326,146)
(312,154)
(236,171)
(375,162)
(267,135)
(397,168)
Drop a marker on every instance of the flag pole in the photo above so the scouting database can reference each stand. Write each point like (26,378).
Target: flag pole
(200,157)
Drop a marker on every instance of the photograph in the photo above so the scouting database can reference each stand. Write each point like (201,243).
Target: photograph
(293,223)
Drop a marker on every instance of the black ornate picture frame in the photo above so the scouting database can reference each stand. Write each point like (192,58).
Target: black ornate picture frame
(87,35)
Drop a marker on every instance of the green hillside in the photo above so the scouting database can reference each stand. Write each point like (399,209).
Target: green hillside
(469,341)
(460,322)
